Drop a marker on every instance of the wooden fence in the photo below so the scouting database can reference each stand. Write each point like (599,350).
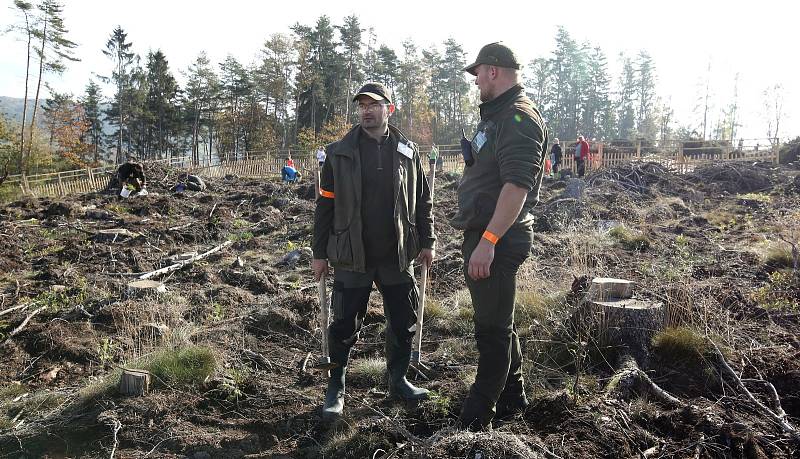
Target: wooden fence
(680,156)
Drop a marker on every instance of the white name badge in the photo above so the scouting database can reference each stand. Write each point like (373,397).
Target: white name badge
(405,150)
(480,139)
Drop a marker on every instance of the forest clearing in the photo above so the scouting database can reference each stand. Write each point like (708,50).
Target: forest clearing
(230,339)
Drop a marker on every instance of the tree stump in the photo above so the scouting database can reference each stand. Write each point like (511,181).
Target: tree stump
(623,322)
(606,288)
(134,382)
(145,287)
(629,325)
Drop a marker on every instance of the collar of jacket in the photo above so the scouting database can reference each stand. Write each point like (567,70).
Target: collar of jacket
(494,106)
(350,140)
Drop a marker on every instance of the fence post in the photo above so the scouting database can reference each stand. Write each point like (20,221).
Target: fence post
(639,149)
(91,178)
(601,160)
(61,185)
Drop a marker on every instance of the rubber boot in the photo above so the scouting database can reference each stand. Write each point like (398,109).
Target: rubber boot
(510,404)
(334,395)
(398,357)
(476,413)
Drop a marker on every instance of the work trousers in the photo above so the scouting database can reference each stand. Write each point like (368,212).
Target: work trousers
(580,165)
(500,355)
(349,300)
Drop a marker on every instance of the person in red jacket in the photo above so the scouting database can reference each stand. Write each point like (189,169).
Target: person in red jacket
(582,154)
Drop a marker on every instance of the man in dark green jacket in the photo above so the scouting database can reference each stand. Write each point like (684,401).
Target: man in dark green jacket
(373,218)
(494,201)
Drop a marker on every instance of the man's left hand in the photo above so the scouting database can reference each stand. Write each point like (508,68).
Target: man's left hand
(426,257)
(480,261)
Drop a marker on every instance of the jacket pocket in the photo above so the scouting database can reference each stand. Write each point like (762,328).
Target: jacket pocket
(412,245)
(340,249)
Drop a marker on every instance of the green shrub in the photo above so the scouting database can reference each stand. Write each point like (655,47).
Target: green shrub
(782,291)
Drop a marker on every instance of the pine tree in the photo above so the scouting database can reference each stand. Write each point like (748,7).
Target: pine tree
(538,78)
(598,110)
(351,42)
(162,92)
(645,95)
(27,29)
(626,98)
(91,107)
(201,87)
(118,50)
(53,49)
(274,79)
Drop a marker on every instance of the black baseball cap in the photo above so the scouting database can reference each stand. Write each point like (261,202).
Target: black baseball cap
(376,91)
(496,54)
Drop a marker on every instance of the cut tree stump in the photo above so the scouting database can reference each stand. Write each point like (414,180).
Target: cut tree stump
(606,288)
(625,323)
(145,287)
(134,382)
(629,325)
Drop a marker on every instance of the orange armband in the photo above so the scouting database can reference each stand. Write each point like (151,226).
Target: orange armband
(326,194)
(491,237)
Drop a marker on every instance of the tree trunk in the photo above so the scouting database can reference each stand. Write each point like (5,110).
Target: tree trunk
(21,159)
(38,87)
(629,325)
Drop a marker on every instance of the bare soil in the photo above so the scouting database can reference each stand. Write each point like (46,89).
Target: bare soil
(700,245)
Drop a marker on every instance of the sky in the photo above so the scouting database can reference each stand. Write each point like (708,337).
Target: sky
(754,39)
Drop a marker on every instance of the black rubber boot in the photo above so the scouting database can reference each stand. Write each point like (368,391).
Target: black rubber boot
(334,395)
(398,357)
(511,404)
(476,413)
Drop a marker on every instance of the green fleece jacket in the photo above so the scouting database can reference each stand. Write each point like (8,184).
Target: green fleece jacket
(508,147)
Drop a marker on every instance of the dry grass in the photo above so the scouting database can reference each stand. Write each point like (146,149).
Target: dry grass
(779,256)
(681,344)
(630,239)
(370,371)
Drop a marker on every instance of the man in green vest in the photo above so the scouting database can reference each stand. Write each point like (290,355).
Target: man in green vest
(494,200)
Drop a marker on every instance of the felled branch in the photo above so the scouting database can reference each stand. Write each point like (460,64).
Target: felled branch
(183,263)
(739,385)
(23,324)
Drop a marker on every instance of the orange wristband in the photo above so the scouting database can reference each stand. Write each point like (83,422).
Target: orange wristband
(491,237)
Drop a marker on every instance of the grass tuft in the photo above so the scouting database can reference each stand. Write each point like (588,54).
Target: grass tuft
(629,239)
(370,370)
(681,345)
(184,366)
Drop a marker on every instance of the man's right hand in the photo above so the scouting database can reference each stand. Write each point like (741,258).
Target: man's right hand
(320,268)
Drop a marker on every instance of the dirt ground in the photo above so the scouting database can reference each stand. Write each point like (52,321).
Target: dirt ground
(240,325)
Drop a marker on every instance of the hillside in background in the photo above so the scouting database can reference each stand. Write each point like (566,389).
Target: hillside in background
(11,108)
